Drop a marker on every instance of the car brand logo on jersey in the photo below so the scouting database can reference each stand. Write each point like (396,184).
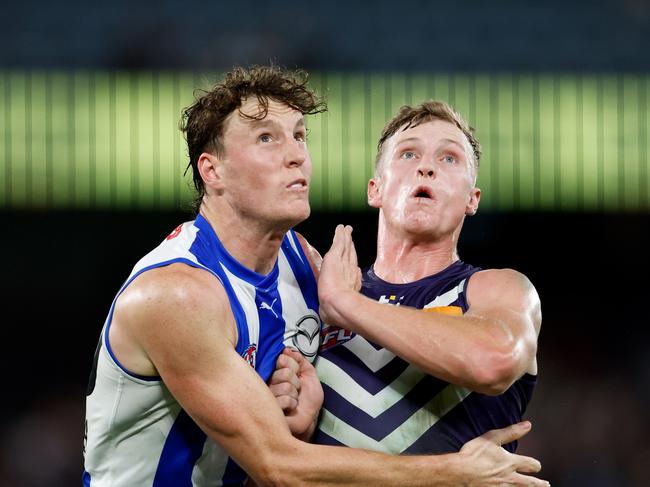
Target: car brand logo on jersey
(306,336)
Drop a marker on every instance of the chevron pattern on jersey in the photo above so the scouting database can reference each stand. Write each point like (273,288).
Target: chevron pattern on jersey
(390,407)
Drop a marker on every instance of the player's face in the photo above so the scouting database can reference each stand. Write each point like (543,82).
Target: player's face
(267,167)
(426,181)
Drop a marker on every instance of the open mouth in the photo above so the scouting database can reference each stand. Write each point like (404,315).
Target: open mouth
(423,192)
(297,184)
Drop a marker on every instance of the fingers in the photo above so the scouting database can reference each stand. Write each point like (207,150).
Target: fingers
(289,359)
(284,382)
(338,242)
(342,245)
(305,366)
(286,403)
(294,355)
(351,251)
(524,480)
(526,464)
(506,435)
(285,375)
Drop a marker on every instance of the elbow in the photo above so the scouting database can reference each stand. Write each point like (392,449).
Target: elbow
(499,367)
(495,373)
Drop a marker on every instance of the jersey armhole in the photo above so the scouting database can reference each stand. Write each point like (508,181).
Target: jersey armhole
(109,319)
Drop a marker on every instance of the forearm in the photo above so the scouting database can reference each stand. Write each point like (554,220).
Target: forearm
(464,350)
(326,465)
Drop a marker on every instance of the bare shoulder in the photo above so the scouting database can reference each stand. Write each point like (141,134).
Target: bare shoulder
(167,306)
(497,281)
(171,290)
(506,288)
(315,259)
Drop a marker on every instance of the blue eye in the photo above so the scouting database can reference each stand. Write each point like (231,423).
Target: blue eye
(265,138)
(408,154)
(449,159)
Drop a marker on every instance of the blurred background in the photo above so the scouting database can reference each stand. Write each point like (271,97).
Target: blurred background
(91,178)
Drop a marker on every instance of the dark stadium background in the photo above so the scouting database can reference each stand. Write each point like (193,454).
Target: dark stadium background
(590,265)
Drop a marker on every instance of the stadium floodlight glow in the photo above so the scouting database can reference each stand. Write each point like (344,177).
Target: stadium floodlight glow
(110,140)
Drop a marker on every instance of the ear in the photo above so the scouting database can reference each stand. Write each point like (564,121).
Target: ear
(210,169)
(472,204)
(374,192)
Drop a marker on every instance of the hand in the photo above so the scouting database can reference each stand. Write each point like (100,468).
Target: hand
(339,273)
(296,387)
(488,464)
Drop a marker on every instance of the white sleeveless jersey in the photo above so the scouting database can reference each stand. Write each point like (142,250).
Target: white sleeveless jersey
(136,432)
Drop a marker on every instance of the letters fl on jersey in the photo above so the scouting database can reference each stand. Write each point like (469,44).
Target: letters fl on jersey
(333,335)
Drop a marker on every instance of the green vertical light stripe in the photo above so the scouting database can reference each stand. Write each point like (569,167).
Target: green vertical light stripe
(368,158)
(516,156)
(92,146)
(155,146)
(49,173)
(5,173)
(580,186)
(112,139)
(600,188)
(79,139)
(644,181)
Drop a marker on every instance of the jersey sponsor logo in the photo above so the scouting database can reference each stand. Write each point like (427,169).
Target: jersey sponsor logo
(305,336)
(250,354)
(392,299)
(175,232)
(269,307)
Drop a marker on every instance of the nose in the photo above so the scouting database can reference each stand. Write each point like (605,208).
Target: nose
(295,153)
(426,170)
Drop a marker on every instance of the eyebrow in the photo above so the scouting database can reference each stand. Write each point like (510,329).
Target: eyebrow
(418,139)
(265,122)
(454,142)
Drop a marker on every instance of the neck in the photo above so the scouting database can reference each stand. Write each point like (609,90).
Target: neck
(251,243)
(404,257)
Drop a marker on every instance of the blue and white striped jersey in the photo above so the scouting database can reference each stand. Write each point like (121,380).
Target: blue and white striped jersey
(136,432)
(376,400)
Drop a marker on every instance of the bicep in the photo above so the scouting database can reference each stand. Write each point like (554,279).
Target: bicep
(507,297)
(189,338)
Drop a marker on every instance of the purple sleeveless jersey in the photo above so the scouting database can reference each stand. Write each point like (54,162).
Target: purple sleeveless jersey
(378,401)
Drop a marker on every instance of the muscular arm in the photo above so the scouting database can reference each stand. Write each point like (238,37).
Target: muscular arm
(179,320)
(486,349)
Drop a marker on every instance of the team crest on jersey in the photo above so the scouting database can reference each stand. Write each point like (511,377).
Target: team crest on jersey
(250,354)
(305,335)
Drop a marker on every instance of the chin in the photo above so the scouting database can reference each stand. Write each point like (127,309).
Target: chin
(297,214)
(420,226)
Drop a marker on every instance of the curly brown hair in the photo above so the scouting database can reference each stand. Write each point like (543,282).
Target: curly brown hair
(203,121)
(427,111)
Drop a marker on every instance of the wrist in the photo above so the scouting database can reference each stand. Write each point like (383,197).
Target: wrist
(335,307)
(308,433)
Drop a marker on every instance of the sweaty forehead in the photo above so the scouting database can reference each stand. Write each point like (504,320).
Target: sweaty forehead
(434,131)
(247,117)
